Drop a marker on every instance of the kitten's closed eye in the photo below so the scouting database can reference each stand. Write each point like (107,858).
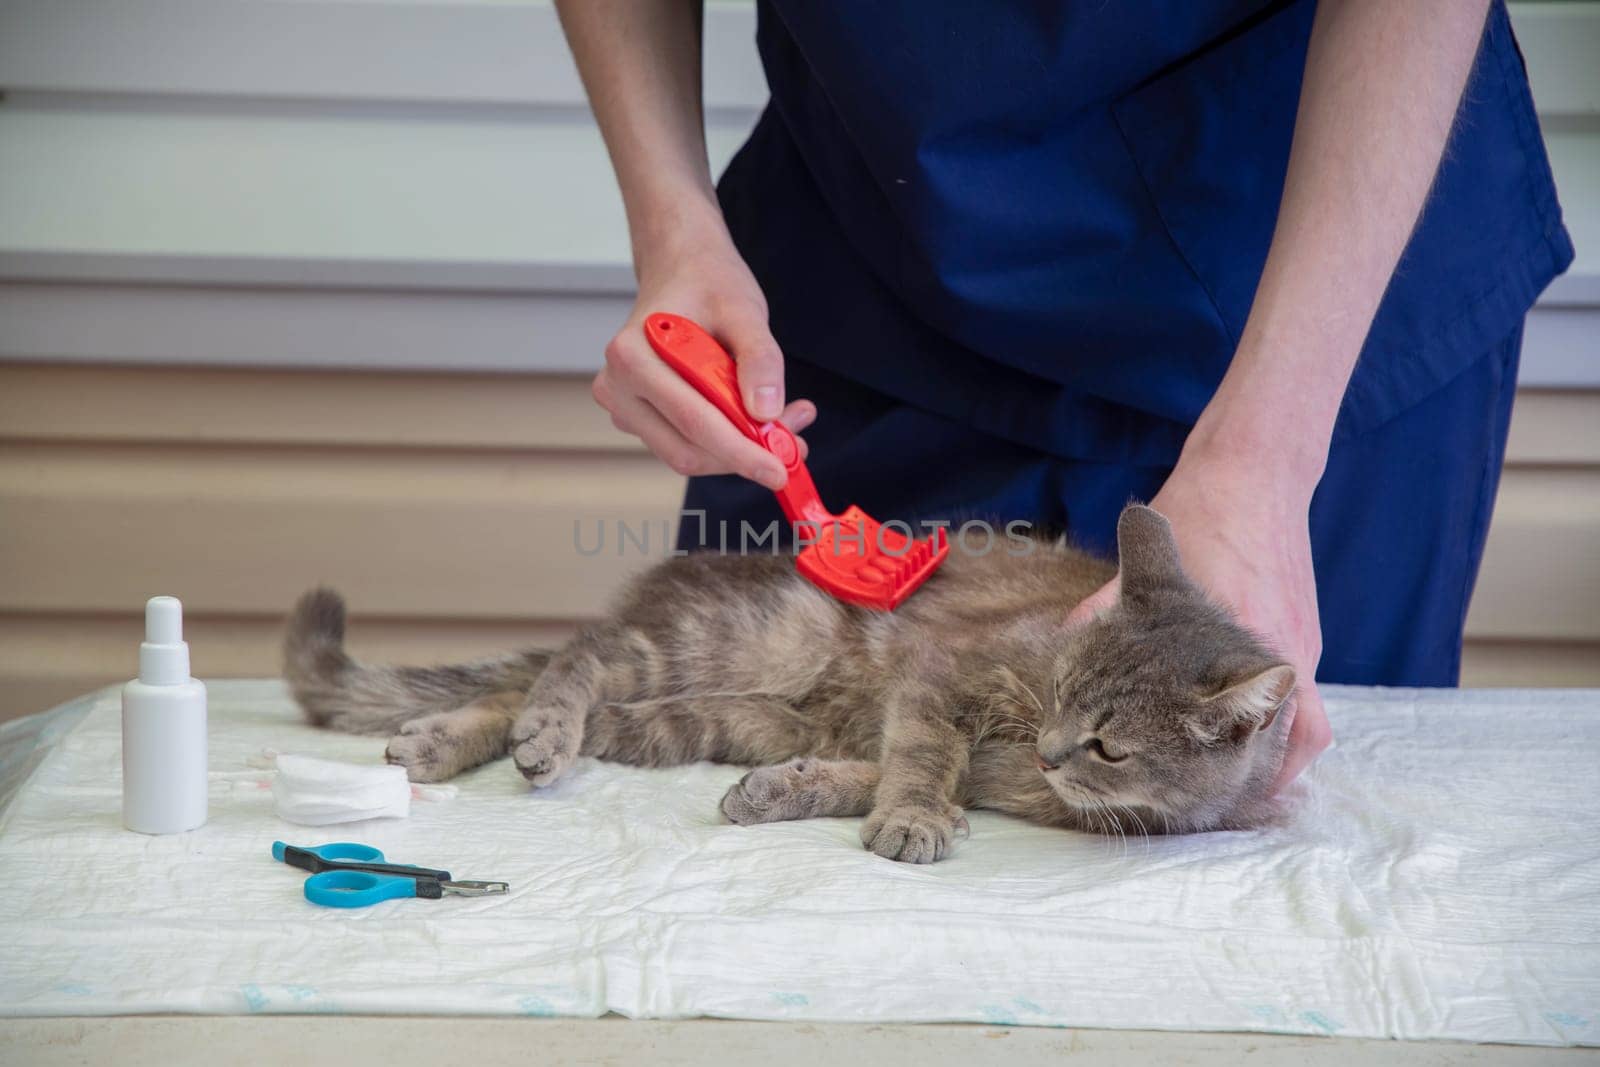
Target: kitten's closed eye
(1098,749)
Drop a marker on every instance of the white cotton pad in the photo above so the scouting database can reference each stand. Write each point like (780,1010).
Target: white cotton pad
(319,792)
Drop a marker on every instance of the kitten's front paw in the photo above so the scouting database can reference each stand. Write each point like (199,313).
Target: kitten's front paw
(913,834)
(425,748)
(544,746)
(768,794)
(419,756)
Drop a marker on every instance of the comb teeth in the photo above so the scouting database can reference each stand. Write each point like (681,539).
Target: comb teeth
(875,576)
(915,556)
(921,552)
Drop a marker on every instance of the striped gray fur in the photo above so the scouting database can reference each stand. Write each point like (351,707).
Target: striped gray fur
(1161,715)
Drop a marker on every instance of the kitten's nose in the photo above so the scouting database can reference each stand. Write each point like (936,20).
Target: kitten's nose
(1044,764)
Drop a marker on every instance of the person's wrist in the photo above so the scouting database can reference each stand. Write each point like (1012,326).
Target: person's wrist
(681,225)
(1271,436)
(1253,454)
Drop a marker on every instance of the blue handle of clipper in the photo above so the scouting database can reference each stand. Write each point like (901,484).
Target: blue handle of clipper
(356,889)
(336,850)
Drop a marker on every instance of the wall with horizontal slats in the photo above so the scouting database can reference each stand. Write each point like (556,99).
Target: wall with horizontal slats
(443,506)
(187,183)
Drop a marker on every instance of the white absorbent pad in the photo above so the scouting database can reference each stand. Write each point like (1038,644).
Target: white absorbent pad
(1441,879)
(321,792)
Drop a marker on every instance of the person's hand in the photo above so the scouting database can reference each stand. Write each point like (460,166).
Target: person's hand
(1245,539)
(711,285)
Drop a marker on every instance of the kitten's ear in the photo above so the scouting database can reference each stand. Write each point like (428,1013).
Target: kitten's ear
(1243,707)
(1147,553)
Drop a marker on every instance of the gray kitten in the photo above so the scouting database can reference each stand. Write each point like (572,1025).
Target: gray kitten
(975,693)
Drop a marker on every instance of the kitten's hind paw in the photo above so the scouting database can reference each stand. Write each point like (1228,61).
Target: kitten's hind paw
(913,834)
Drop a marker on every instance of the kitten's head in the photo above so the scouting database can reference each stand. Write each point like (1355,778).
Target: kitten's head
(1164,704)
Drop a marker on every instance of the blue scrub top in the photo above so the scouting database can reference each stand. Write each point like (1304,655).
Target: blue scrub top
(1048,219)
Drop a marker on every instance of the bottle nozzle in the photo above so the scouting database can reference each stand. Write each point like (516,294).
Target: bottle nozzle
(163,657)
(163,621)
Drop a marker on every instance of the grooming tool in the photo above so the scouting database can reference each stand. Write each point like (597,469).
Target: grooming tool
(350,875)
(853,557)
(164,779)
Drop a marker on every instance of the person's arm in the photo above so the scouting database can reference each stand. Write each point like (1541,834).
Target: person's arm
(1382,84)
(640,61)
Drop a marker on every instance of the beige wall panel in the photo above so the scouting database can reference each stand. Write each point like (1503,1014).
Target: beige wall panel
(99,403)
(52,402)
(91,528)
(1529,663)
(443,506)
(1540,578)
(1555,428)
(493,535)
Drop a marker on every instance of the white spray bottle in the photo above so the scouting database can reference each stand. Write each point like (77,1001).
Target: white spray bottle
(163,730)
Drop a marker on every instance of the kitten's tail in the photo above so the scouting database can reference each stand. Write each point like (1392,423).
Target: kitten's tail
(337,692)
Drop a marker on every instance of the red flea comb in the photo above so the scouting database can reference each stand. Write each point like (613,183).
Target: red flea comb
(852,556)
